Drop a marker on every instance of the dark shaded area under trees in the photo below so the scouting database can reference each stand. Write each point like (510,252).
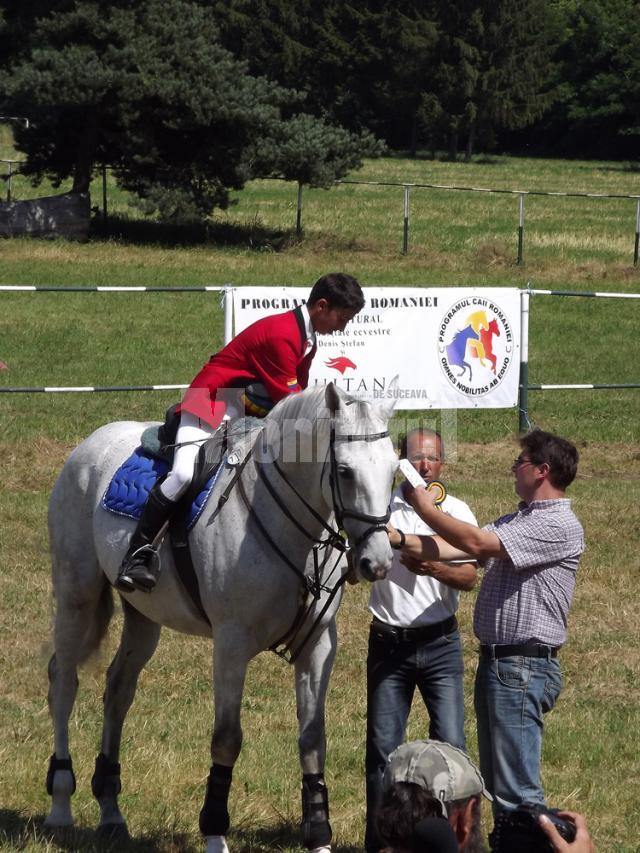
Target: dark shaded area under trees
(546,76)
(188,100)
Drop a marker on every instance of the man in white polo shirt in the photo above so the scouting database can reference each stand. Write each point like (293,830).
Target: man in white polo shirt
(414,639)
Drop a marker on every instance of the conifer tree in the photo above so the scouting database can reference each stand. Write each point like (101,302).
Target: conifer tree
(146,88)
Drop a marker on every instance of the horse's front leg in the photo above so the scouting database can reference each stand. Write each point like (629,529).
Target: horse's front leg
(313,669)
(138,643)
(232,652)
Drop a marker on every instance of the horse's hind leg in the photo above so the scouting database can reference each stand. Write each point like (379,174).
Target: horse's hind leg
(84,608)
(313,669)
(137,645)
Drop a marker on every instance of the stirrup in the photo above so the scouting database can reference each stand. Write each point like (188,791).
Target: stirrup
(139,571)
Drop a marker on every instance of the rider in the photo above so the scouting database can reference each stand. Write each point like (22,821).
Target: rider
(268,360)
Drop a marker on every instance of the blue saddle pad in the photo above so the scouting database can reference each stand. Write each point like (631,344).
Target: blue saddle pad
(129,488)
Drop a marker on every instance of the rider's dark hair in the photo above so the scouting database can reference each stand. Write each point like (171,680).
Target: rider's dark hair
(559,454)
(421,431)
(339,289)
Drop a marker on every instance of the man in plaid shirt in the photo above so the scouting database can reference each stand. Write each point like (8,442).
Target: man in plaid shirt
(531,558)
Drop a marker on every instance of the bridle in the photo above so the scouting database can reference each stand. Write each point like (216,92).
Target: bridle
(376,522)
(315,585)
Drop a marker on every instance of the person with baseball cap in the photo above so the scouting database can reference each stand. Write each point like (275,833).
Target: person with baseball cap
(431,799)
(432,796)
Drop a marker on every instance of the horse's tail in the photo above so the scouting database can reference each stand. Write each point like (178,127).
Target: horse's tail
(81,624)
(98,626)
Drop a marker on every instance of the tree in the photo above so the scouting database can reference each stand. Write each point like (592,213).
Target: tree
(146,88)
(596,111)
(601,67)
(492,70)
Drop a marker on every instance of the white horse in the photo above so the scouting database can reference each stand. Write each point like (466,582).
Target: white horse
(269,567)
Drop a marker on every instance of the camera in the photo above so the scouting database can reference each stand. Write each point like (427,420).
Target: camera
(519,830)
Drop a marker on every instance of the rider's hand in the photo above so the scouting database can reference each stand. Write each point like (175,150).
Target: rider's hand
(582,842)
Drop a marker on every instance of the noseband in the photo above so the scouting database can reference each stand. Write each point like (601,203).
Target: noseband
(376,522)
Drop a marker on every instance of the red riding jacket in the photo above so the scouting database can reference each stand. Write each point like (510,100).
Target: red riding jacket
(270,351)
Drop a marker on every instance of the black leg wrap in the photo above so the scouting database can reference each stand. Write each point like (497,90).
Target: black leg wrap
(59,764)
(315,827)
(105,770)
(214,817)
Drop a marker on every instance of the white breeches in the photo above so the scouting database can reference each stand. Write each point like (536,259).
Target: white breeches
(192,433)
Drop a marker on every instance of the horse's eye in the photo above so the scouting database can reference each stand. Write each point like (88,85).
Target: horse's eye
(345,472)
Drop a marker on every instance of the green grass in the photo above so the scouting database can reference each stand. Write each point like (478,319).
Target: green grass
(590,755)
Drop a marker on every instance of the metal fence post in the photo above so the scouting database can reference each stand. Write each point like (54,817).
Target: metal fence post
(9,175)
(520,228)
(635,251)
(104,193)
(405,233)
(299,211)
(227,303)
(523,390)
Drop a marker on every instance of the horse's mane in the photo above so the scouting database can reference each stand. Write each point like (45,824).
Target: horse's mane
(309,405)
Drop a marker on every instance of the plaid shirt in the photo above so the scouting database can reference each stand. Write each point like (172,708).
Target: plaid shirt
(527,597)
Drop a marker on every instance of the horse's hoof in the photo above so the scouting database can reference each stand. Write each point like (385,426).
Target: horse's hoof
(325,849)
(216,844)
(60,817)
(112,832)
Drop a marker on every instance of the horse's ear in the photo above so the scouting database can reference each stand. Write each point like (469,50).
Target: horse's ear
(332,397)
(387,406)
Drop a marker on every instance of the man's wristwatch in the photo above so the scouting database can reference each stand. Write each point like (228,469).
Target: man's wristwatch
(399,545)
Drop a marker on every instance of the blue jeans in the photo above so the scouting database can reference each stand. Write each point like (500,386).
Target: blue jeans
(394,670)
(511,696)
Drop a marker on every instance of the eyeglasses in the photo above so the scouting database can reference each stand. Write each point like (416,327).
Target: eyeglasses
(521,461)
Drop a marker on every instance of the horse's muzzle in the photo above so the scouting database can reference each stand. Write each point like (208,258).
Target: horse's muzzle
(373,570)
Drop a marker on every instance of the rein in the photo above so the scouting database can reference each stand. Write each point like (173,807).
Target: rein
(314,586)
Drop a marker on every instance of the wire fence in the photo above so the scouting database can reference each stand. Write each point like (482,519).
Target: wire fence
(13,167)
(523,389)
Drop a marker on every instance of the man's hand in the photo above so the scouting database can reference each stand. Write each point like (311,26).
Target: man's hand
(420,499)
(394,536)
(582,842)
(351,575)
(418,567)
(462,576)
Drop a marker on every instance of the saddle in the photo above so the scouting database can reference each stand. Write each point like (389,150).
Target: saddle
(160,441)
(208,462)
(126,494)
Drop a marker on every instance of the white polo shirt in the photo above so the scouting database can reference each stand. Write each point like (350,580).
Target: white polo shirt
(412,601)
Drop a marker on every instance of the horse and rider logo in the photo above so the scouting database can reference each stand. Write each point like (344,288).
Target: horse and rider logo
(475,345)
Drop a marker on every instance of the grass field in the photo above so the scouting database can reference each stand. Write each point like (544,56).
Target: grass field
(591,755)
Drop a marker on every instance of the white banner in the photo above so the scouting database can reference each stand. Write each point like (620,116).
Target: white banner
(451,347)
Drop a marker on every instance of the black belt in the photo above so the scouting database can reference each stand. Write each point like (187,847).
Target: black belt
(526,650)
(413,635)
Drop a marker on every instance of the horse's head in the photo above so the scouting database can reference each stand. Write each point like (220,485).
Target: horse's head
(362,465)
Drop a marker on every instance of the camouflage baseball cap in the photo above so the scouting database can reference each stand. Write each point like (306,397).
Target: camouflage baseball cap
(445,771)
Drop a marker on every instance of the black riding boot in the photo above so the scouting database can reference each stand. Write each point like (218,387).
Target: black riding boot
(138,570)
